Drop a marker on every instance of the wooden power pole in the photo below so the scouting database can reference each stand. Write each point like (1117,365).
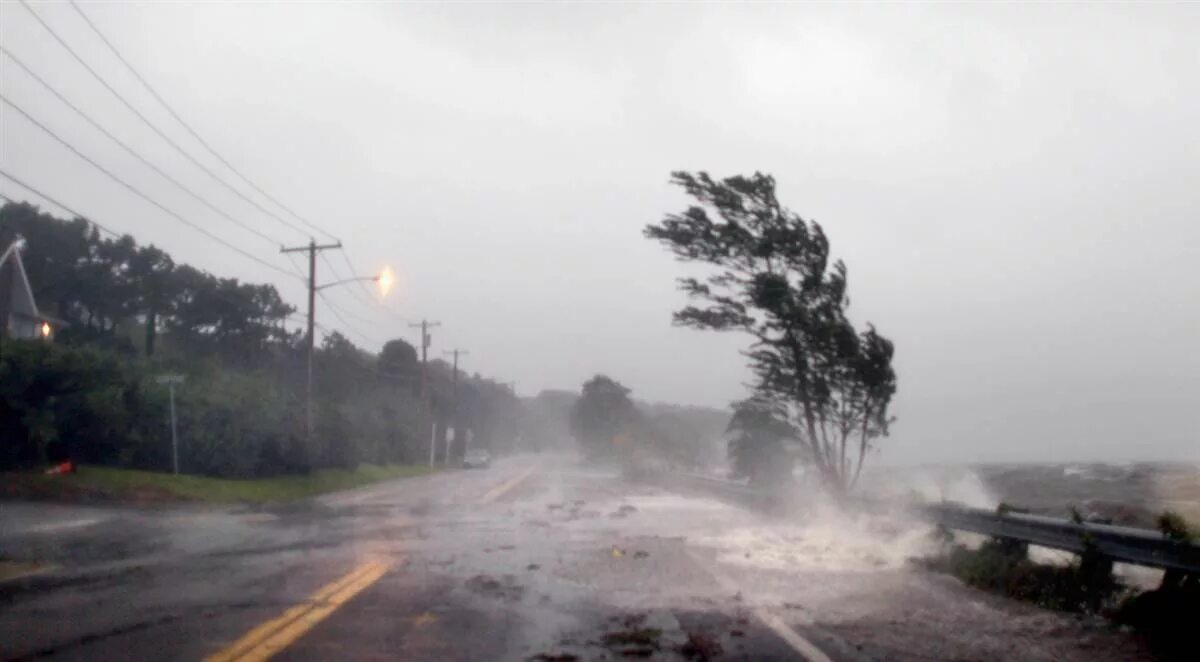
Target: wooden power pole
(312,248)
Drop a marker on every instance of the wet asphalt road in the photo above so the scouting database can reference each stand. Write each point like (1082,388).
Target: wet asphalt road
(536,556)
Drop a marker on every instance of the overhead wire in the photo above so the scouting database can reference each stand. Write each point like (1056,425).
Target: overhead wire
(133,189)
(56,203)
(362,289)
(158,97)
(32,74)
(78,58)
(103,228)
(338,313)
(170,109)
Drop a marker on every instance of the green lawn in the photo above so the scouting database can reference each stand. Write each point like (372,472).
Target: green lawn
(129,484)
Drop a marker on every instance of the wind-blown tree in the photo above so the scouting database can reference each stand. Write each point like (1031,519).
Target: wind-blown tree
(773,280)
(602,413)
(756,445)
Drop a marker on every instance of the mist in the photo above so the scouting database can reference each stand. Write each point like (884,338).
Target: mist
(1011,190)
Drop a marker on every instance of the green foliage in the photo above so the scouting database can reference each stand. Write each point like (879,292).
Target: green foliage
(105,287)
(129,483)
(773,279)
(1175,527)
(135,314)
(82,401)
(1001,566)
(1165,618)
(399,358)
(756,445)
(602,415)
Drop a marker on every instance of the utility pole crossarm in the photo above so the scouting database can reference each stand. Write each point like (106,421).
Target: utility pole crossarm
(311,246)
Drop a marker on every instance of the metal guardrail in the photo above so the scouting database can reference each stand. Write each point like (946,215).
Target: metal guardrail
(1118,543)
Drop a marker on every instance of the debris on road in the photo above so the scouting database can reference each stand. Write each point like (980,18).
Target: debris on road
(617,552)
(641,554)
(532,566)
(633,642)
(624,511)
(505,588)
(701,646)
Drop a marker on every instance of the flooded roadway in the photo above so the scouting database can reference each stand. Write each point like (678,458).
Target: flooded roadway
(535,558)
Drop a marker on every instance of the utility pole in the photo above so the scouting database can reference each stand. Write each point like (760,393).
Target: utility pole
(171,381)
(312,248)
(458,428)
(425,325)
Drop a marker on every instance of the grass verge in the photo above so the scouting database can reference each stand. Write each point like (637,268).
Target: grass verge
(108,483)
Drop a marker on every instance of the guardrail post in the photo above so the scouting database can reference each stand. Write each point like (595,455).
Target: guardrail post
(1012,547)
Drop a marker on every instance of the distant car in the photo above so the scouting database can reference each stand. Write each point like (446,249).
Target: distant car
(477,459)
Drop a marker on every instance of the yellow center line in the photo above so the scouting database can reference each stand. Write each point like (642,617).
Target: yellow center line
(278,633)
(499,490)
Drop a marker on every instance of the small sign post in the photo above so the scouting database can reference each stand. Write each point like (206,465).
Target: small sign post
(171,381)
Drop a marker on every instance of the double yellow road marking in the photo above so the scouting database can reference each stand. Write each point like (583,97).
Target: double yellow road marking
(500,490)
(276,634)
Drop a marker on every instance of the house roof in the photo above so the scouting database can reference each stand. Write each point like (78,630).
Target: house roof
(21,300)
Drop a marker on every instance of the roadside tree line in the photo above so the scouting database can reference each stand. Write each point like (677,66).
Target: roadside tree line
(132,313)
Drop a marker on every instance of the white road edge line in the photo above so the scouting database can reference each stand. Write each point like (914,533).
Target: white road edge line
(798,643)
(63,526)
(793,638)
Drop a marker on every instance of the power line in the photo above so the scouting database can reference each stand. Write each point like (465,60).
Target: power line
(354,291)
(337,312)
(188,127)
(133,152)
(150,124)
(56,203)
(139,193)
(207,146)
(61,205)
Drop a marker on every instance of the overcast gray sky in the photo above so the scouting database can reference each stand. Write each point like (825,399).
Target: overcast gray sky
(1015,189)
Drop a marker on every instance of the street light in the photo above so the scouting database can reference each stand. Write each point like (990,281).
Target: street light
(385,278)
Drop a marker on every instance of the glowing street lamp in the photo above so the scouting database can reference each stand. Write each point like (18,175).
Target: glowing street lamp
(45,329)
(386,279)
